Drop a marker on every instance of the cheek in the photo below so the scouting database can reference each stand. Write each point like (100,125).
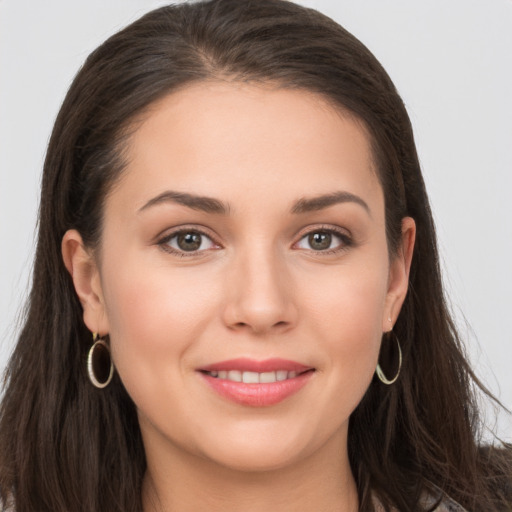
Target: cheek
(156,315)
(349,298)
(345,315)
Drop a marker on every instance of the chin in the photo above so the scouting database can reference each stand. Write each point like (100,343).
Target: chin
(255,461)
(260,452)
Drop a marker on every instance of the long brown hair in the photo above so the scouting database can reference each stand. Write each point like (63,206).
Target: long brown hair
(67,446)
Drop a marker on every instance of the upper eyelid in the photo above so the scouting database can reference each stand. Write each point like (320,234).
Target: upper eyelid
(323,227)
(344,235)
(163,242)
(169,233)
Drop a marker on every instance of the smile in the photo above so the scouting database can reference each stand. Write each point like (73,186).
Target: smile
(256,383)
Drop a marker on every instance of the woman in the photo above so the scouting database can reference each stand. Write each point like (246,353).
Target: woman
(236,298)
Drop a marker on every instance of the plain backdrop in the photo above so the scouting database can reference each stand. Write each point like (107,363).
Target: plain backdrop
(450,60)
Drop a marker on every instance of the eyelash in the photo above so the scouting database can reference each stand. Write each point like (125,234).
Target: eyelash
(163,242)
(345,241)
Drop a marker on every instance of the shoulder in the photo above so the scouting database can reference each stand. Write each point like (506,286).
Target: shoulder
(8,505)
(444,504)
(448,505)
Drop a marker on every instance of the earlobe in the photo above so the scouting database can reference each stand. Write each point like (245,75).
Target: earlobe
(399,274)
(84,272)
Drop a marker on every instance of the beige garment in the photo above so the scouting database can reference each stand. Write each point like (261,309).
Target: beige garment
(446,505)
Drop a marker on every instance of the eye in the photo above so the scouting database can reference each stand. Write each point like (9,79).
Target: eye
(187,241)
(323,240)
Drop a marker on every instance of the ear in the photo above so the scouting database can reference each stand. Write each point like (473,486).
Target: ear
(399,269)
(85,274)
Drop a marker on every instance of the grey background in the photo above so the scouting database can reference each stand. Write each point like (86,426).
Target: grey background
(450,60)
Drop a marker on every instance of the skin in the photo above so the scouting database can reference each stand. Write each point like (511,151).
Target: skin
(257,288)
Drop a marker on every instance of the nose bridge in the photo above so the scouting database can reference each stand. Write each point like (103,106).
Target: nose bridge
(261,289)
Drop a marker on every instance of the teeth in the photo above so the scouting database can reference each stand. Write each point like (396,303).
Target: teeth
(235,376)
(253,377)
(281,375)
(267,377)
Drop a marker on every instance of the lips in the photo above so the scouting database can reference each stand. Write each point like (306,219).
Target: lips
(256,383)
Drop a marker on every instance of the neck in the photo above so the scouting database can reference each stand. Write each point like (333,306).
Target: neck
(188,483)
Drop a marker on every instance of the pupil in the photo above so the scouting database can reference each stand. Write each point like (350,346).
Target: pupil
(320,241)
(189,241)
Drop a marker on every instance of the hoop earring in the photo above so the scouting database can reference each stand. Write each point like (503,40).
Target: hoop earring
(380,373)
(100,368)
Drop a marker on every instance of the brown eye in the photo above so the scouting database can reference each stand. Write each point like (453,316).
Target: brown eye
(320,241)
(188,242)
(324,240)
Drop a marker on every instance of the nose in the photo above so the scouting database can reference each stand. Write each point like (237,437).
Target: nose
(260,297)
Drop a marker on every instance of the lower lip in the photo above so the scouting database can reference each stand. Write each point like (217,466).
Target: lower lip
(257,395)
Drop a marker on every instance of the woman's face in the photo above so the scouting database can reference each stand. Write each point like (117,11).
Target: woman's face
(246,240)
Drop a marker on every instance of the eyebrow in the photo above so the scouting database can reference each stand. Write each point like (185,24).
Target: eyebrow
(201,203)
(212,205)
(305,205)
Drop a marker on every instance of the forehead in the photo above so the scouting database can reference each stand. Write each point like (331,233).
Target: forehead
(245,142)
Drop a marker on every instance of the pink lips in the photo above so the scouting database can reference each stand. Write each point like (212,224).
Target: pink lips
(257,394)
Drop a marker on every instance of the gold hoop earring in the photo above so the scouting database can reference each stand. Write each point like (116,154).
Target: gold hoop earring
(380,373)
(99,363)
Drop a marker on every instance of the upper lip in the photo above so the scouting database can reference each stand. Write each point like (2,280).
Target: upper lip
(252,365)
